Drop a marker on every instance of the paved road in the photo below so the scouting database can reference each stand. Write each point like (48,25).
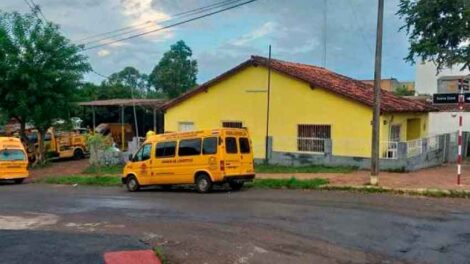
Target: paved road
(63,224)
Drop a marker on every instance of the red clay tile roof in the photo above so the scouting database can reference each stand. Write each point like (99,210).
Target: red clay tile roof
(322,78)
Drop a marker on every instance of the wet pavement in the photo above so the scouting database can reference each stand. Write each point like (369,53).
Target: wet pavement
(63,224)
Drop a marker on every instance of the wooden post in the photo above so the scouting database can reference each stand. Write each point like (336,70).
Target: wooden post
(374,176)
(123,130)
(155,120)
(94,118)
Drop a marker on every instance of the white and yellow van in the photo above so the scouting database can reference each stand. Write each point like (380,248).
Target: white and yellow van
(203,158)
(13,160)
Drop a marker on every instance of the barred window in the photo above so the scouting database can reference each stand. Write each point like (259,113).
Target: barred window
(312,138)
(232,124)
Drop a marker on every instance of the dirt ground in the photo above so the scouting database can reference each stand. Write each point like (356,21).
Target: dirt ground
(443,177)
(59,168)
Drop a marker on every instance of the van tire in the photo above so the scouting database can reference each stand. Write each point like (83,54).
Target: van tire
(78,154)
(236,185)
(203,183)
(18,181)
(132,184)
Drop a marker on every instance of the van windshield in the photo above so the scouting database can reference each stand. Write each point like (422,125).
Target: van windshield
(12,155)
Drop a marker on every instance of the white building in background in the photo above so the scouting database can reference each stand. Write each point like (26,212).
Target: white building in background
(447,122)
(427,79)
(429,82)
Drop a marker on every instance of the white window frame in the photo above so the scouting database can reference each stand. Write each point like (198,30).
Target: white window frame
(185,126)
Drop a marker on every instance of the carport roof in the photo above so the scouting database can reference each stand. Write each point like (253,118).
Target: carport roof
(150,103)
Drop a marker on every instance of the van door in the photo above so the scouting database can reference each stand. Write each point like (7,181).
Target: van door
(164,170)
(142,163)
(189,159)
(232,156)
(246,156)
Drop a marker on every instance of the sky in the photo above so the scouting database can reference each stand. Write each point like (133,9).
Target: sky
(294,28)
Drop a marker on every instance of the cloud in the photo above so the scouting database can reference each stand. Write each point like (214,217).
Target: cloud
(143,18)
(266,29)
(103,53)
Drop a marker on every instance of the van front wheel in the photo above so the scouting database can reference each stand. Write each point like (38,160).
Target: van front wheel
(132,184)
(236,185)
(203,183)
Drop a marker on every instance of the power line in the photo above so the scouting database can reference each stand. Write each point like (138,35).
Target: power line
(150,23)
(38,8)
(170,26)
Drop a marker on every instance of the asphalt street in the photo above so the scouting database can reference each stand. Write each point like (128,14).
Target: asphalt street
(65,224)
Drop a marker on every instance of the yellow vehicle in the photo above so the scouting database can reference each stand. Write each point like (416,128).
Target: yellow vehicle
(203,158)
(61,144)
(13,160)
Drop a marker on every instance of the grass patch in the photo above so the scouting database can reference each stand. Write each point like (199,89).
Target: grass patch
(83,180)
(291,183)
(103,170)
(160,255)
(268,168)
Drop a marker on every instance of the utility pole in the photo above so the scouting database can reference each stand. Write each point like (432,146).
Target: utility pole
(374,169)
(325,27)
(266,159)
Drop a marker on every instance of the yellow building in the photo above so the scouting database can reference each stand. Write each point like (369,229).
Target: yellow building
(312,110)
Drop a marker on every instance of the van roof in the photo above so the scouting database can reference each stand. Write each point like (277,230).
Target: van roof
(10,142)
(198,133)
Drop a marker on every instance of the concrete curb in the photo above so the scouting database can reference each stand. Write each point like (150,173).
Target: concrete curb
(429,192)
(131,257)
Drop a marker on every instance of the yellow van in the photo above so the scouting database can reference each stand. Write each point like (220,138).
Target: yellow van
(13,160)
(203,158)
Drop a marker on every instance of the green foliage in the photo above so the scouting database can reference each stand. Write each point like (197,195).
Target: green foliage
(403,91)
(263,168)
(439,30)
(160,255)
(176,72)
(39,71)
(83,180)
(97,144)
(291,183)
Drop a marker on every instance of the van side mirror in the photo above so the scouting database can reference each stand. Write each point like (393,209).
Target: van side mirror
(130,157)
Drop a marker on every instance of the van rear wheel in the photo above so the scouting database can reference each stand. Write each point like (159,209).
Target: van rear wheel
(203,183)
(132,184)
(236,185)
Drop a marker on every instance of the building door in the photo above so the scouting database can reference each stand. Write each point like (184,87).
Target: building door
(413,129)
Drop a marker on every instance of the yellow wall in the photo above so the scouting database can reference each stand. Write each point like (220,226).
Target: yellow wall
(403,119)
(241,98)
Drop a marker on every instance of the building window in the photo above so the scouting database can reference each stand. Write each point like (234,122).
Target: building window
(185,126)
(312,138)
(232,124)
(189,147)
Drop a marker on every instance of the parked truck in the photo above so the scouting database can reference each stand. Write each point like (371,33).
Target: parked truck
(59,144)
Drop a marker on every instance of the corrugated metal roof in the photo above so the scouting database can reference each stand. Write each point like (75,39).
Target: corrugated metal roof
(151,103)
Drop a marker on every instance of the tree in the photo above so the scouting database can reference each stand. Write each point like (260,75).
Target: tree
(439,31)
(403,91)
(130,77)
(176,72)
(39,72)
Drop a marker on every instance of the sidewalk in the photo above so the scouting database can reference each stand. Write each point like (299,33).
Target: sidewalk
(444,177)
